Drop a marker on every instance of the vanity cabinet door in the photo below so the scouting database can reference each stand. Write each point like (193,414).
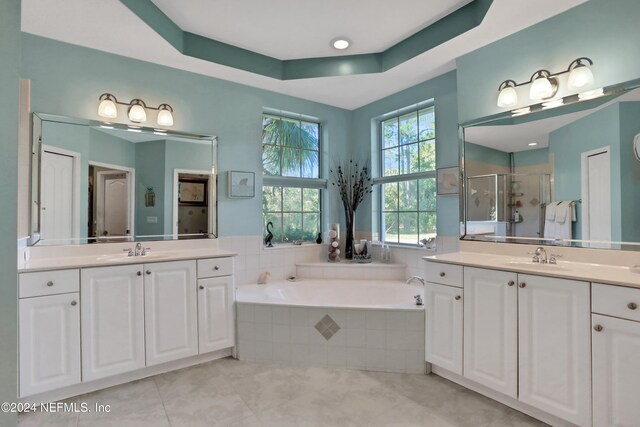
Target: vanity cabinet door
(112,303)
(49,343)
(215,314)
(171,318)
(491,329)
(443,326)
(555,346)
(616,371)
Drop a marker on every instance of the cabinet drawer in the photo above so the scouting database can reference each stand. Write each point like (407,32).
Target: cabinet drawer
(444,274)
(49,283)
(214,267)
(616,301)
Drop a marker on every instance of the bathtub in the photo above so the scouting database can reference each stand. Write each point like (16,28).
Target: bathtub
(353,324)
(363,294)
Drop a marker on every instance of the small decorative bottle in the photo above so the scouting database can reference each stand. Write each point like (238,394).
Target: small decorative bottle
(334,243)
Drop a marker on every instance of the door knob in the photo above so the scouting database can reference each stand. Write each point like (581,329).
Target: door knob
(522,285)
(458,297)
(201,287)
(148,271)
(49,283)
(216,268)
(442,274)
(598,328)
(511,283)
(632,306)
(139,273)
(74,302)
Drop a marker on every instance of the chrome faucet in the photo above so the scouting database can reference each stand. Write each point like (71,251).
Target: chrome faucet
(540,255)
(138,251)
(412,278)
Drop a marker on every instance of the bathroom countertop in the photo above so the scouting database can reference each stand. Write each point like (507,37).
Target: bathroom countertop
(589,272)
(105,260)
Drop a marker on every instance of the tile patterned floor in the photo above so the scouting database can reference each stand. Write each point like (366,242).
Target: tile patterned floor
(230,393)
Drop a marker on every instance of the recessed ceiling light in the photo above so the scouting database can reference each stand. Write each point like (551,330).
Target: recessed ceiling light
(531,144)
(340,43)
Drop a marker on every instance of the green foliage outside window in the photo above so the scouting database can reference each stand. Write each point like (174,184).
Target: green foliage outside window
(408,203)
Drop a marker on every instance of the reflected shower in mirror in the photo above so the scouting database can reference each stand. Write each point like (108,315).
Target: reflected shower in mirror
(565,176)
(113,183)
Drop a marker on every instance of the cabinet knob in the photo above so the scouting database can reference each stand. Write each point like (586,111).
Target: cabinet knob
(632,306)
(522,285)
(201,287)
(598,328)
(139,273)
(511,283)
(49,283)
(458,297)
(148,272)
(216,268)
(74,302)
(442,274)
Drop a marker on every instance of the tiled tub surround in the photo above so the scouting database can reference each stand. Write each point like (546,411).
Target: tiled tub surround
(369,339)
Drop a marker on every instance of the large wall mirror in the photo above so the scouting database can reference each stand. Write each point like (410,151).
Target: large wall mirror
(96,183)
(562,176)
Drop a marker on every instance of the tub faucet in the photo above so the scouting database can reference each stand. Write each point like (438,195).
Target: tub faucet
(412,278)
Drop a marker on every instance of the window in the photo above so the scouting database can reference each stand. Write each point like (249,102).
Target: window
(291,184)
(407,177)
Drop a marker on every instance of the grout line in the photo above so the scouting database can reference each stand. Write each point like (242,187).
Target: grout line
(166,414)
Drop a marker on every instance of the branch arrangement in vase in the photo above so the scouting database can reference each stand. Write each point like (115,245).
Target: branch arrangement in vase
(354,183)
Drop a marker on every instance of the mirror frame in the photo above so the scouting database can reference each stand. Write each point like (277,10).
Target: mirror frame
(572,104)
(35,165)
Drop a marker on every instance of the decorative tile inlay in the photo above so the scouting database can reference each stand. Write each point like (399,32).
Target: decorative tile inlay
(327,327)
(534,202)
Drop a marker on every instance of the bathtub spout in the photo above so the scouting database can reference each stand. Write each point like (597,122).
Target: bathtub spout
(412,278)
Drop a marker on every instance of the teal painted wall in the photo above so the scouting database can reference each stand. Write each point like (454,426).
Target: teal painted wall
(605,31)
(629,171)
(110,149)
(10,42)
(531,157)
(149,155)
(442,90)
(600,129)
(67,80)
(480,153)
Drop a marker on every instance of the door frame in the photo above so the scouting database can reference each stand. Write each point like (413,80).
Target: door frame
(75,210)
(210,194)
(584,186)
(132,192)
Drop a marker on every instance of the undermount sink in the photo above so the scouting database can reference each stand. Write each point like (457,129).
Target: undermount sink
(536,266)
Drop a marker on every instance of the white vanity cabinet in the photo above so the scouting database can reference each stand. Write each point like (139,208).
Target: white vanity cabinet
(443,317)
(171,317)
(112,320)
(491,329)
(49,331)
(555,347)
(616,348)
(215,305)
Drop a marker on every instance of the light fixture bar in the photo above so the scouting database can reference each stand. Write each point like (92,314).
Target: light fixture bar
(136,112)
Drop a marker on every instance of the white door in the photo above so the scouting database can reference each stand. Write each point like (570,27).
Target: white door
(215,314)
(171,319)
(616,372)
(49,343)
(112,203)
(491,329)
(443,326)
(555,346)
(57,204)
(596,177)
(112,320)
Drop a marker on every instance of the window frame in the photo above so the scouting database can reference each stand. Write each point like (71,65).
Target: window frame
(302,183)
(382,180)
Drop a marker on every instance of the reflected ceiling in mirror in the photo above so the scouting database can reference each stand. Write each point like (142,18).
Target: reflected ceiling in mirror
(563,176)
(97,182)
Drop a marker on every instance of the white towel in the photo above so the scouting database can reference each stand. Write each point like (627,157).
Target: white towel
(550,211)
(561,212)
(565,214)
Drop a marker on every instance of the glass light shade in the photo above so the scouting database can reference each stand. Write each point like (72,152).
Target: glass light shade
(137,114)
(165,118)
(107,109)
(591,94)
(580,77)
(507,97)
(541,88)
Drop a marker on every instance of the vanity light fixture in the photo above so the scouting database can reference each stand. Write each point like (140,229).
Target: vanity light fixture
(340,43)
(544,84)
(532,144)
(552,104)
(591,94)
(137,111)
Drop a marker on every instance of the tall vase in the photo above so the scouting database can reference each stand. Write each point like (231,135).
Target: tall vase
(348,249)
